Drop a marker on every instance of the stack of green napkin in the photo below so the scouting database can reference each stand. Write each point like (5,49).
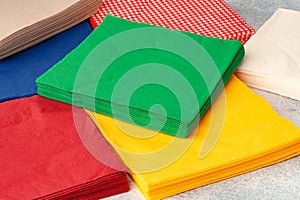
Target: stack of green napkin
(151,76)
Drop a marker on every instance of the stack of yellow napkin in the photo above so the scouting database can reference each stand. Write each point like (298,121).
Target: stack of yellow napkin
(241,132)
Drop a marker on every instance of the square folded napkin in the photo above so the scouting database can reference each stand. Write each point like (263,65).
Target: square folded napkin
(208,18)
(24,24)
(272,62)
(19,72)
(124,69)
(244,131)
(43,157)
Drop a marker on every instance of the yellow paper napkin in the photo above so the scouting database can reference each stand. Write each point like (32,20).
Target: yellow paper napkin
(240,133)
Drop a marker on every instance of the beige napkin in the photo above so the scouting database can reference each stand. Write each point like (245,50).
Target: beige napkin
(27,22)
(272,60)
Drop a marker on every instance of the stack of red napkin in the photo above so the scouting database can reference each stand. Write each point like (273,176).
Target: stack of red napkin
(42,155)
(205,17)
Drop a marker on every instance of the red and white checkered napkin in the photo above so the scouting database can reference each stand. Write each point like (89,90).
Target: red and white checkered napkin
(205,17)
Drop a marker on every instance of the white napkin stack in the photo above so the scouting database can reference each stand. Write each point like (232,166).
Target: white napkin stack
(272,60)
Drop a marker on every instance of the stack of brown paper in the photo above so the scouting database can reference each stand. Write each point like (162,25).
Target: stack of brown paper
(25,23)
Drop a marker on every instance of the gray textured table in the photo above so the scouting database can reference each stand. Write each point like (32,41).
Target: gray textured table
(281,181)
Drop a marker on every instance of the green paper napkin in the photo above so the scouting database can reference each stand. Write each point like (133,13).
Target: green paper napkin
(151,76)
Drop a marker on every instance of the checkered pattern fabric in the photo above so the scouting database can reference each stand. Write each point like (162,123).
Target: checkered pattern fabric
(205,17)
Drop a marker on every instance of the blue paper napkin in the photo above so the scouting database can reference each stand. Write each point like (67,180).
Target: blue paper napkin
(19,72)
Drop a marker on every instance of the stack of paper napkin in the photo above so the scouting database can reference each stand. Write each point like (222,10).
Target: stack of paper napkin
(24,24)
(19,72)
(43,157)
(209,18)
(124,69)
(240,133)
(272,62)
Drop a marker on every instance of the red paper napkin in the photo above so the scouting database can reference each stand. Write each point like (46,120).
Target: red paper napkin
(206,17)
(42,154)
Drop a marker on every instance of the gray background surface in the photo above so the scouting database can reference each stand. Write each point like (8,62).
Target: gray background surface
(280,181)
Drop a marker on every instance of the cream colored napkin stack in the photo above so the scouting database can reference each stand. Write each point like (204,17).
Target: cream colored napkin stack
(272,60)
